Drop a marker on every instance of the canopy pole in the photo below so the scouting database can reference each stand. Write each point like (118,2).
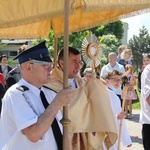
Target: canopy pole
(125,88)
(65,121)
(55,50)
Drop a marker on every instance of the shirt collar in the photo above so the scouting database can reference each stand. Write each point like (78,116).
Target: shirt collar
(113,66)
(72,83)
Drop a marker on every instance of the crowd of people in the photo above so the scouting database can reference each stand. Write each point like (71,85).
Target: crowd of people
(122,64)
(32,99)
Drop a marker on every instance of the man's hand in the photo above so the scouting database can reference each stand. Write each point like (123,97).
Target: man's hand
(121,115)
(63,98)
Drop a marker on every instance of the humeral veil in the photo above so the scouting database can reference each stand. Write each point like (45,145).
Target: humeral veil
(90,112)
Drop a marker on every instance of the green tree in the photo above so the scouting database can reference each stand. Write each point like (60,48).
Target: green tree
(139,44)
(110,36)
(115,28)
(2,45)
(109,43)
(75,40)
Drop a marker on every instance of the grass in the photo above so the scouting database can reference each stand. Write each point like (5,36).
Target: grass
(136,105)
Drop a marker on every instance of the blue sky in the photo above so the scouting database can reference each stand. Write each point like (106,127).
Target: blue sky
(135,23)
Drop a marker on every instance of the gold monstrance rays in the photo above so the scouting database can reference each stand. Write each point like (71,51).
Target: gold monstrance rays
(91,51)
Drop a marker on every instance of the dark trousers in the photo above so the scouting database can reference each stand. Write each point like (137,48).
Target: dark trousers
(146,136)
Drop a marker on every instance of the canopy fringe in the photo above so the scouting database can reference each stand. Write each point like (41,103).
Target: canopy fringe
(19,36)
(132,14)
(114,2)
(98,8)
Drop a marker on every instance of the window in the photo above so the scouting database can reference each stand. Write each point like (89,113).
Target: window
(12,53)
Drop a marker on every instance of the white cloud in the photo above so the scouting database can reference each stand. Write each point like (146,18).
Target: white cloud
(135,23)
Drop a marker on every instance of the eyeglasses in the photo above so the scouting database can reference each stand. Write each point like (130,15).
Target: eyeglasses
(116,80)
(78,63)
(46,65)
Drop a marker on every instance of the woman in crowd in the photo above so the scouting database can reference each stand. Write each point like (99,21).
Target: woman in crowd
(131,94)
(4,67)
(89,73)
(125,56)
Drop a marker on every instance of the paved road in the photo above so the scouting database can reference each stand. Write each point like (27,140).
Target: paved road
(134,128)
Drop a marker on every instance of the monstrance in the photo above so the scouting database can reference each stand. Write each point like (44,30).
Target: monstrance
(91,51)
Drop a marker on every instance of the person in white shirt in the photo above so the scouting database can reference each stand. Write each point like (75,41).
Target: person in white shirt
(113,65)
(26,123)
(113,81)
(145,107)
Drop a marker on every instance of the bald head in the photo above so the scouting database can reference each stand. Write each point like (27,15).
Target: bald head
(112,58)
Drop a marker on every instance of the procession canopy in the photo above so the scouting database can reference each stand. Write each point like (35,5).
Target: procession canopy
(36,17)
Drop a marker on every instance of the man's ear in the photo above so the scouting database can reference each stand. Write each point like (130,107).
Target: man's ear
(29,67)
(61,63)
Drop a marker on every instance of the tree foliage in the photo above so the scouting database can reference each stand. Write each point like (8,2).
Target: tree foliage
(75,39)
(139,44)
(110,36)
(115,28)
(109,43)
(2,45)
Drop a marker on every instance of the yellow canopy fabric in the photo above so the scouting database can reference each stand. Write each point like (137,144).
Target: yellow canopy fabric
(33,31)
(36,17)
(17,12)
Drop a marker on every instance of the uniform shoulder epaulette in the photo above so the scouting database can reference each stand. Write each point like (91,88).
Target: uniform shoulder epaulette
(22,88)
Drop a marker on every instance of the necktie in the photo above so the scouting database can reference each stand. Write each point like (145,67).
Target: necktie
(55,127)
(72,83)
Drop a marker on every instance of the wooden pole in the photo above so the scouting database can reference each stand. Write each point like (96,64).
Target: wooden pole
(55,50)
(65,121)
(125,88)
